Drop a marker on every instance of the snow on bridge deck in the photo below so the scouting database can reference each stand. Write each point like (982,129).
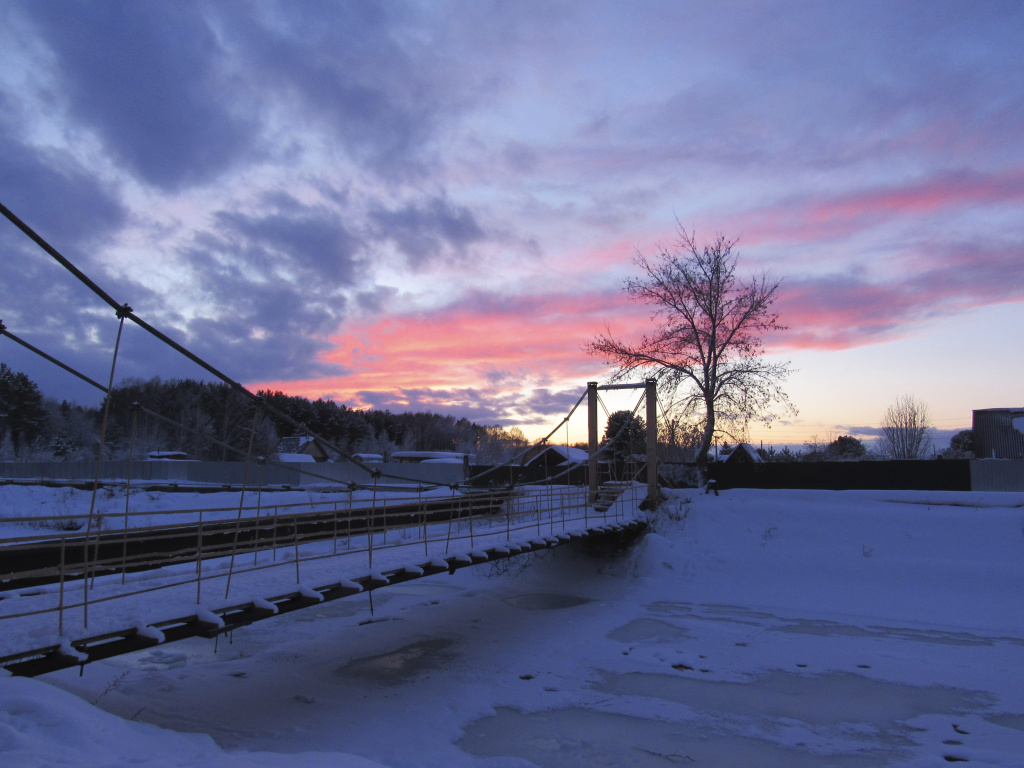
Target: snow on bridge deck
(67,623)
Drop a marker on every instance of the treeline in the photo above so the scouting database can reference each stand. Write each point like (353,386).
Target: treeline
(213,422)
(849,448)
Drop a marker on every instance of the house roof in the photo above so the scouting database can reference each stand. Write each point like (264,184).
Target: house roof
(295,457)
(565,454)
(421,456)
(301,444)
(749,450)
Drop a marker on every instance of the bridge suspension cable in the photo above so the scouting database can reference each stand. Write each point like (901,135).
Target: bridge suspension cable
(46,570)
(124,311)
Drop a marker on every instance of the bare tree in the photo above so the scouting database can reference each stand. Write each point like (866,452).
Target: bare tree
(906,429)
(815,449)
(678,434)
(707,339)
(379,443)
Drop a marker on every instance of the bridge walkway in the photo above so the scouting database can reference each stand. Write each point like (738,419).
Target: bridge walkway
(74,622)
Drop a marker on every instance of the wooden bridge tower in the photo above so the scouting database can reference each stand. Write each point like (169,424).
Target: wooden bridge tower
(651,393)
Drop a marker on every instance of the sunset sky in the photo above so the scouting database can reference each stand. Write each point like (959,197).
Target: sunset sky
(433,205)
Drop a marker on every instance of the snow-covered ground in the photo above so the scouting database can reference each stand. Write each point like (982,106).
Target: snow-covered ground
(756,628)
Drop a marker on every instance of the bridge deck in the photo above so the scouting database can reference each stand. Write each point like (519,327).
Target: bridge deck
(68,622)
(47,561)
(210,623)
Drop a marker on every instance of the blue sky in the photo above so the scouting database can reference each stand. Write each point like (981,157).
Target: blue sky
(434,205)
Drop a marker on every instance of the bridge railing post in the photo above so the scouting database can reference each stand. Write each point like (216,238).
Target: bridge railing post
(651,393)
(592,466)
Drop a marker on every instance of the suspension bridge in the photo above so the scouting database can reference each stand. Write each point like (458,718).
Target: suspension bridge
(77,586)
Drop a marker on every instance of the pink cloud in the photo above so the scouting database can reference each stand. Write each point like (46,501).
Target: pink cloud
(490,342)
(845,214)
(488,349)
(842,311)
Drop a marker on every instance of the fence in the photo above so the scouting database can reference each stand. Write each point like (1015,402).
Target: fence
(997,475)
(219,473)
(944,475)
(297,475)
(937,475)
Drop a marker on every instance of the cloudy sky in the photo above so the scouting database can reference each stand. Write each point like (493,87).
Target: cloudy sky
(433,205)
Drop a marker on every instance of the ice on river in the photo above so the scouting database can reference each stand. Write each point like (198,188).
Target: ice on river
(756,628)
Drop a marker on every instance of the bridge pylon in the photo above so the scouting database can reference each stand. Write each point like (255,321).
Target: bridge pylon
(650,387)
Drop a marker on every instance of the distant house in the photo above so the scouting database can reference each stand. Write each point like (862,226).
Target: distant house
(369,458)
(301,448)
(167,456)
(999,433)
(543,455)
(432,457)
(295,458)
(744,453)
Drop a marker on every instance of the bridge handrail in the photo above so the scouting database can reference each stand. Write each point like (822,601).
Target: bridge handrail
(571,509)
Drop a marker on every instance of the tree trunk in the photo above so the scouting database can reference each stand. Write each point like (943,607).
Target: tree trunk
(704,447)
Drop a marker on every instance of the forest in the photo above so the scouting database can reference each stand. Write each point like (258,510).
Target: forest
(214,422)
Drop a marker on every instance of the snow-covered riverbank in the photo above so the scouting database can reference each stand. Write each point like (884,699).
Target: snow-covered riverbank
(756,628)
